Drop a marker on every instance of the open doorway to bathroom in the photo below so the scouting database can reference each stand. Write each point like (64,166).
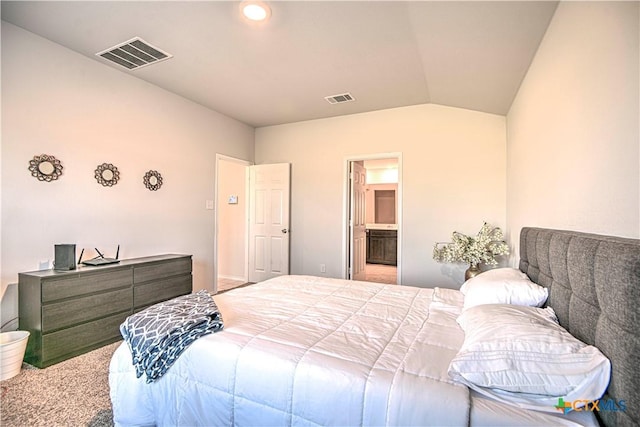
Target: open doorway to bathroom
(373,218)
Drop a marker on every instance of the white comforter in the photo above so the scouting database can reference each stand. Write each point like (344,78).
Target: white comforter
(301,350)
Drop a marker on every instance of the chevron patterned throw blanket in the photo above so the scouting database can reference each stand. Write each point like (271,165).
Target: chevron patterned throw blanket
(159,334)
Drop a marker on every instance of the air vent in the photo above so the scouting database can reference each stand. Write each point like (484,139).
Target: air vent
(135,53)
(339,99)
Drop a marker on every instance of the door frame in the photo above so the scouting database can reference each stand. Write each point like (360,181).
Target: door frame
(345,211)
(246,163)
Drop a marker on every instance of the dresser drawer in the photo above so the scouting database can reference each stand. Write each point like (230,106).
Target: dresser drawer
(161,290)
(76,340)
(55,289)
(162,270)
(383,233)
(70,312)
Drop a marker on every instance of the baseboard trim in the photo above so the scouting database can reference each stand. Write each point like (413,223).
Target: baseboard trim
(236,278)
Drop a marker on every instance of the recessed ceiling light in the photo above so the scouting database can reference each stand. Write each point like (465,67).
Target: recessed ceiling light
(255,10)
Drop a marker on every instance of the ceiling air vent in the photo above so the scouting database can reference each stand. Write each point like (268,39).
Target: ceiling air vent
(339,99)
(134,53)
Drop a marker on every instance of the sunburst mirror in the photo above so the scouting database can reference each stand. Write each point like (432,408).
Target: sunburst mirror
(152,180)
(107,174)
(45,168)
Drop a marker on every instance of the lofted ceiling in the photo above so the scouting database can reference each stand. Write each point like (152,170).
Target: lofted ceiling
(471,54)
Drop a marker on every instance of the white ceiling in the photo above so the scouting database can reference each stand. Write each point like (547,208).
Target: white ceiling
(386,54)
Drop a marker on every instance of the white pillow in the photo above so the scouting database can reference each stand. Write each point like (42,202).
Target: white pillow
(503,286)
(520,355)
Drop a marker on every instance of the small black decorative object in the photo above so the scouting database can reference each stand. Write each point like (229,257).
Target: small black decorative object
(45,168)
(107,174)
(152,180)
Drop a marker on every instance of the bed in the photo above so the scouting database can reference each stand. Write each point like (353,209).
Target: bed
(303,350)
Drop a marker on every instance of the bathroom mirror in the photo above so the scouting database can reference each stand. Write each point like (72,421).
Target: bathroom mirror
(153,180)
(107,174)
(385,206)
(45,168)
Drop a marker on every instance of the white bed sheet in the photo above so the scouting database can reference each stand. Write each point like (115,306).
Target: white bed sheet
(487,412)
(303,350)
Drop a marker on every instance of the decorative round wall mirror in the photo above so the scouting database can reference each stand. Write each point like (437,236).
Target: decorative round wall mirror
(153,180)
(107,174)
(45,168)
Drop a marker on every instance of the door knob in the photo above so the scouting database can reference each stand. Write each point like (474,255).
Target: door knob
(285,231)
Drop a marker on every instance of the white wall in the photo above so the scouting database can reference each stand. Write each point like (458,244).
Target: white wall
(232,220)
(58,102)
(573,129)
(454,171)
(572,160)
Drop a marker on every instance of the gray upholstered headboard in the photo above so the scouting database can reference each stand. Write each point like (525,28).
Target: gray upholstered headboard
(594,288)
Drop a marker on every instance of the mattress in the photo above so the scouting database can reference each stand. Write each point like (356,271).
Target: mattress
(303,350)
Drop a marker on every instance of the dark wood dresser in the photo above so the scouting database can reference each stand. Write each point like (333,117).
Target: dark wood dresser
(72,312)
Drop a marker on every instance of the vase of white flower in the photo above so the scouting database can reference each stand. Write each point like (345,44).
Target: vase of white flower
(481,249)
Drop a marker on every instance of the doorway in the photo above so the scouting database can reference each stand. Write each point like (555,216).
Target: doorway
(251,222)
(373,209)
(231,234)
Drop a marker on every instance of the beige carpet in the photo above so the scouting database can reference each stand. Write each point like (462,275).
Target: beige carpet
(71,393)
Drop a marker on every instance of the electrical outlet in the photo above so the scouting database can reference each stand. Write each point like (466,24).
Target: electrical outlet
(323,268)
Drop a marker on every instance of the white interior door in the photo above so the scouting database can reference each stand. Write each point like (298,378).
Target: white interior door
(269,188)
(357,226)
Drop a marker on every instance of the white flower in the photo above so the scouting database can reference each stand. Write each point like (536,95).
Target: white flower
(483,248)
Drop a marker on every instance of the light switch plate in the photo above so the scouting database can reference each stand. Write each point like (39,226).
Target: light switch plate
(209,205)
